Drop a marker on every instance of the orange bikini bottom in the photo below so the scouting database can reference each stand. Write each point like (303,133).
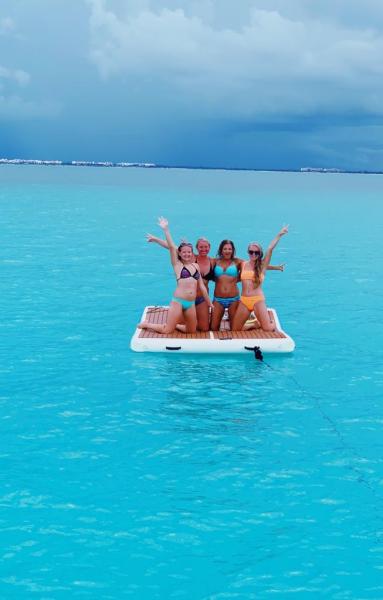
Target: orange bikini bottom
(250,301)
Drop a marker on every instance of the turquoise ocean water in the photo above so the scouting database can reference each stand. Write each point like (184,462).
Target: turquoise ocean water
(196,477)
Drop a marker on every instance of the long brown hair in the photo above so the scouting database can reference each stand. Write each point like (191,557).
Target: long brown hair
(220,248)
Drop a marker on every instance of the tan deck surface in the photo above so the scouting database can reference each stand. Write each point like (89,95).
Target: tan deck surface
(159,315)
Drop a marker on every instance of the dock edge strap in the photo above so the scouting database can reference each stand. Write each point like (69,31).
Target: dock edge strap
(257,352)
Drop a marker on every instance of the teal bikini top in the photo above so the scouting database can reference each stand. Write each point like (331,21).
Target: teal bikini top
(231,271)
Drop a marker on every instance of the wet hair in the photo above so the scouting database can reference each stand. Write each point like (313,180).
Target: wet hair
(220,248)
(182,245)
(202,239)
(258,262)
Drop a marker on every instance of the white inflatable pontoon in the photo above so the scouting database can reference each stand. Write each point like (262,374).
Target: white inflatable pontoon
(216,342)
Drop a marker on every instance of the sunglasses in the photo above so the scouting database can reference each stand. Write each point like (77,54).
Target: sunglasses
(254,252)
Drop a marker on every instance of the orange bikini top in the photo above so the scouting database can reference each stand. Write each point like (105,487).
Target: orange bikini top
(249,275)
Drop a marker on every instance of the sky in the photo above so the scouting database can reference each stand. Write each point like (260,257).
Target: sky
(263,84)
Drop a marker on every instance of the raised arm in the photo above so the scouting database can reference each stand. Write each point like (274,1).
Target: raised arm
(280,267)
(156,240)
(163,223)
(272,245)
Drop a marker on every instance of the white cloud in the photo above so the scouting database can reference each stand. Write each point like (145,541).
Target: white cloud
(21,77)
(7,25)
(14,101)
(12,105)
(272,62)
(16,108)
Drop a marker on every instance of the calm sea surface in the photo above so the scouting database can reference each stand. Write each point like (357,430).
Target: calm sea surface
(198,477)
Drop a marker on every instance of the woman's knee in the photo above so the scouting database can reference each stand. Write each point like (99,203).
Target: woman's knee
(203,322)
(191,329)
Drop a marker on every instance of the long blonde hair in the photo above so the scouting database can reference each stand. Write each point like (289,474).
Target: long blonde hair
(258,262)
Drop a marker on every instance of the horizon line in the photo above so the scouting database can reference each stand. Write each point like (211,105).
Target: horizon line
(147,165)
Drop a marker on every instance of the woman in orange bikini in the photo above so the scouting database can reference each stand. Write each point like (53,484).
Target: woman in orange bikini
(252,276)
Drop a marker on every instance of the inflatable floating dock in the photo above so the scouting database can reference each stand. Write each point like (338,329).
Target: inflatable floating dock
(215,342)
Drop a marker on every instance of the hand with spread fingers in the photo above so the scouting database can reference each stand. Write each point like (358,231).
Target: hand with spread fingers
(163,223)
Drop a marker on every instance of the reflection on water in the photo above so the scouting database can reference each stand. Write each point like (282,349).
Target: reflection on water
(200,386)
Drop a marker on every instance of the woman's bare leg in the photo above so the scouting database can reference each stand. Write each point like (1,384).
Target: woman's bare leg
(232,310)
(253,325)
(174,316)
(216,316)
(203,316)
(190,317)
(260,310)
(240,317)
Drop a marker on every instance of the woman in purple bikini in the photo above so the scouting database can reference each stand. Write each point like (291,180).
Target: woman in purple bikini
(189,282)
(206,266)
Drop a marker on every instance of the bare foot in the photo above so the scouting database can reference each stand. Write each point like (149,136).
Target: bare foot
(181,328)
(141,325)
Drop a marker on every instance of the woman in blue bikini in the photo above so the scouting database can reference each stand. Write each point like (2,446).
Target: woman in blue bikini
(182,306)
(226,276)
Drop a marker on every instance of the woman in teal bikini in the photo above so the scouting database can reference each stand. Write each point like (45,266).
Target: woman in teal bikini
(226,275)
(182,306)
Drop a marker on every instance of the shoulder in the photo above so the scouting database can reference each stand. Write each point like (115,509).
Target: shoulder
(178,264)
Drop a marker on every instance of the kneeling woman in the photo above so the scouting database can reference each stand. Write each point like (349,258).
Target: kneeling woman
(189,281)
(252,276)
(226,292)
(206,265)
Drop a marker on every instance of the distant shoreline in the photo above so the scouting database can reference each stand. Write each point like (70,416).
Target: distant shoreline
(102,164)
